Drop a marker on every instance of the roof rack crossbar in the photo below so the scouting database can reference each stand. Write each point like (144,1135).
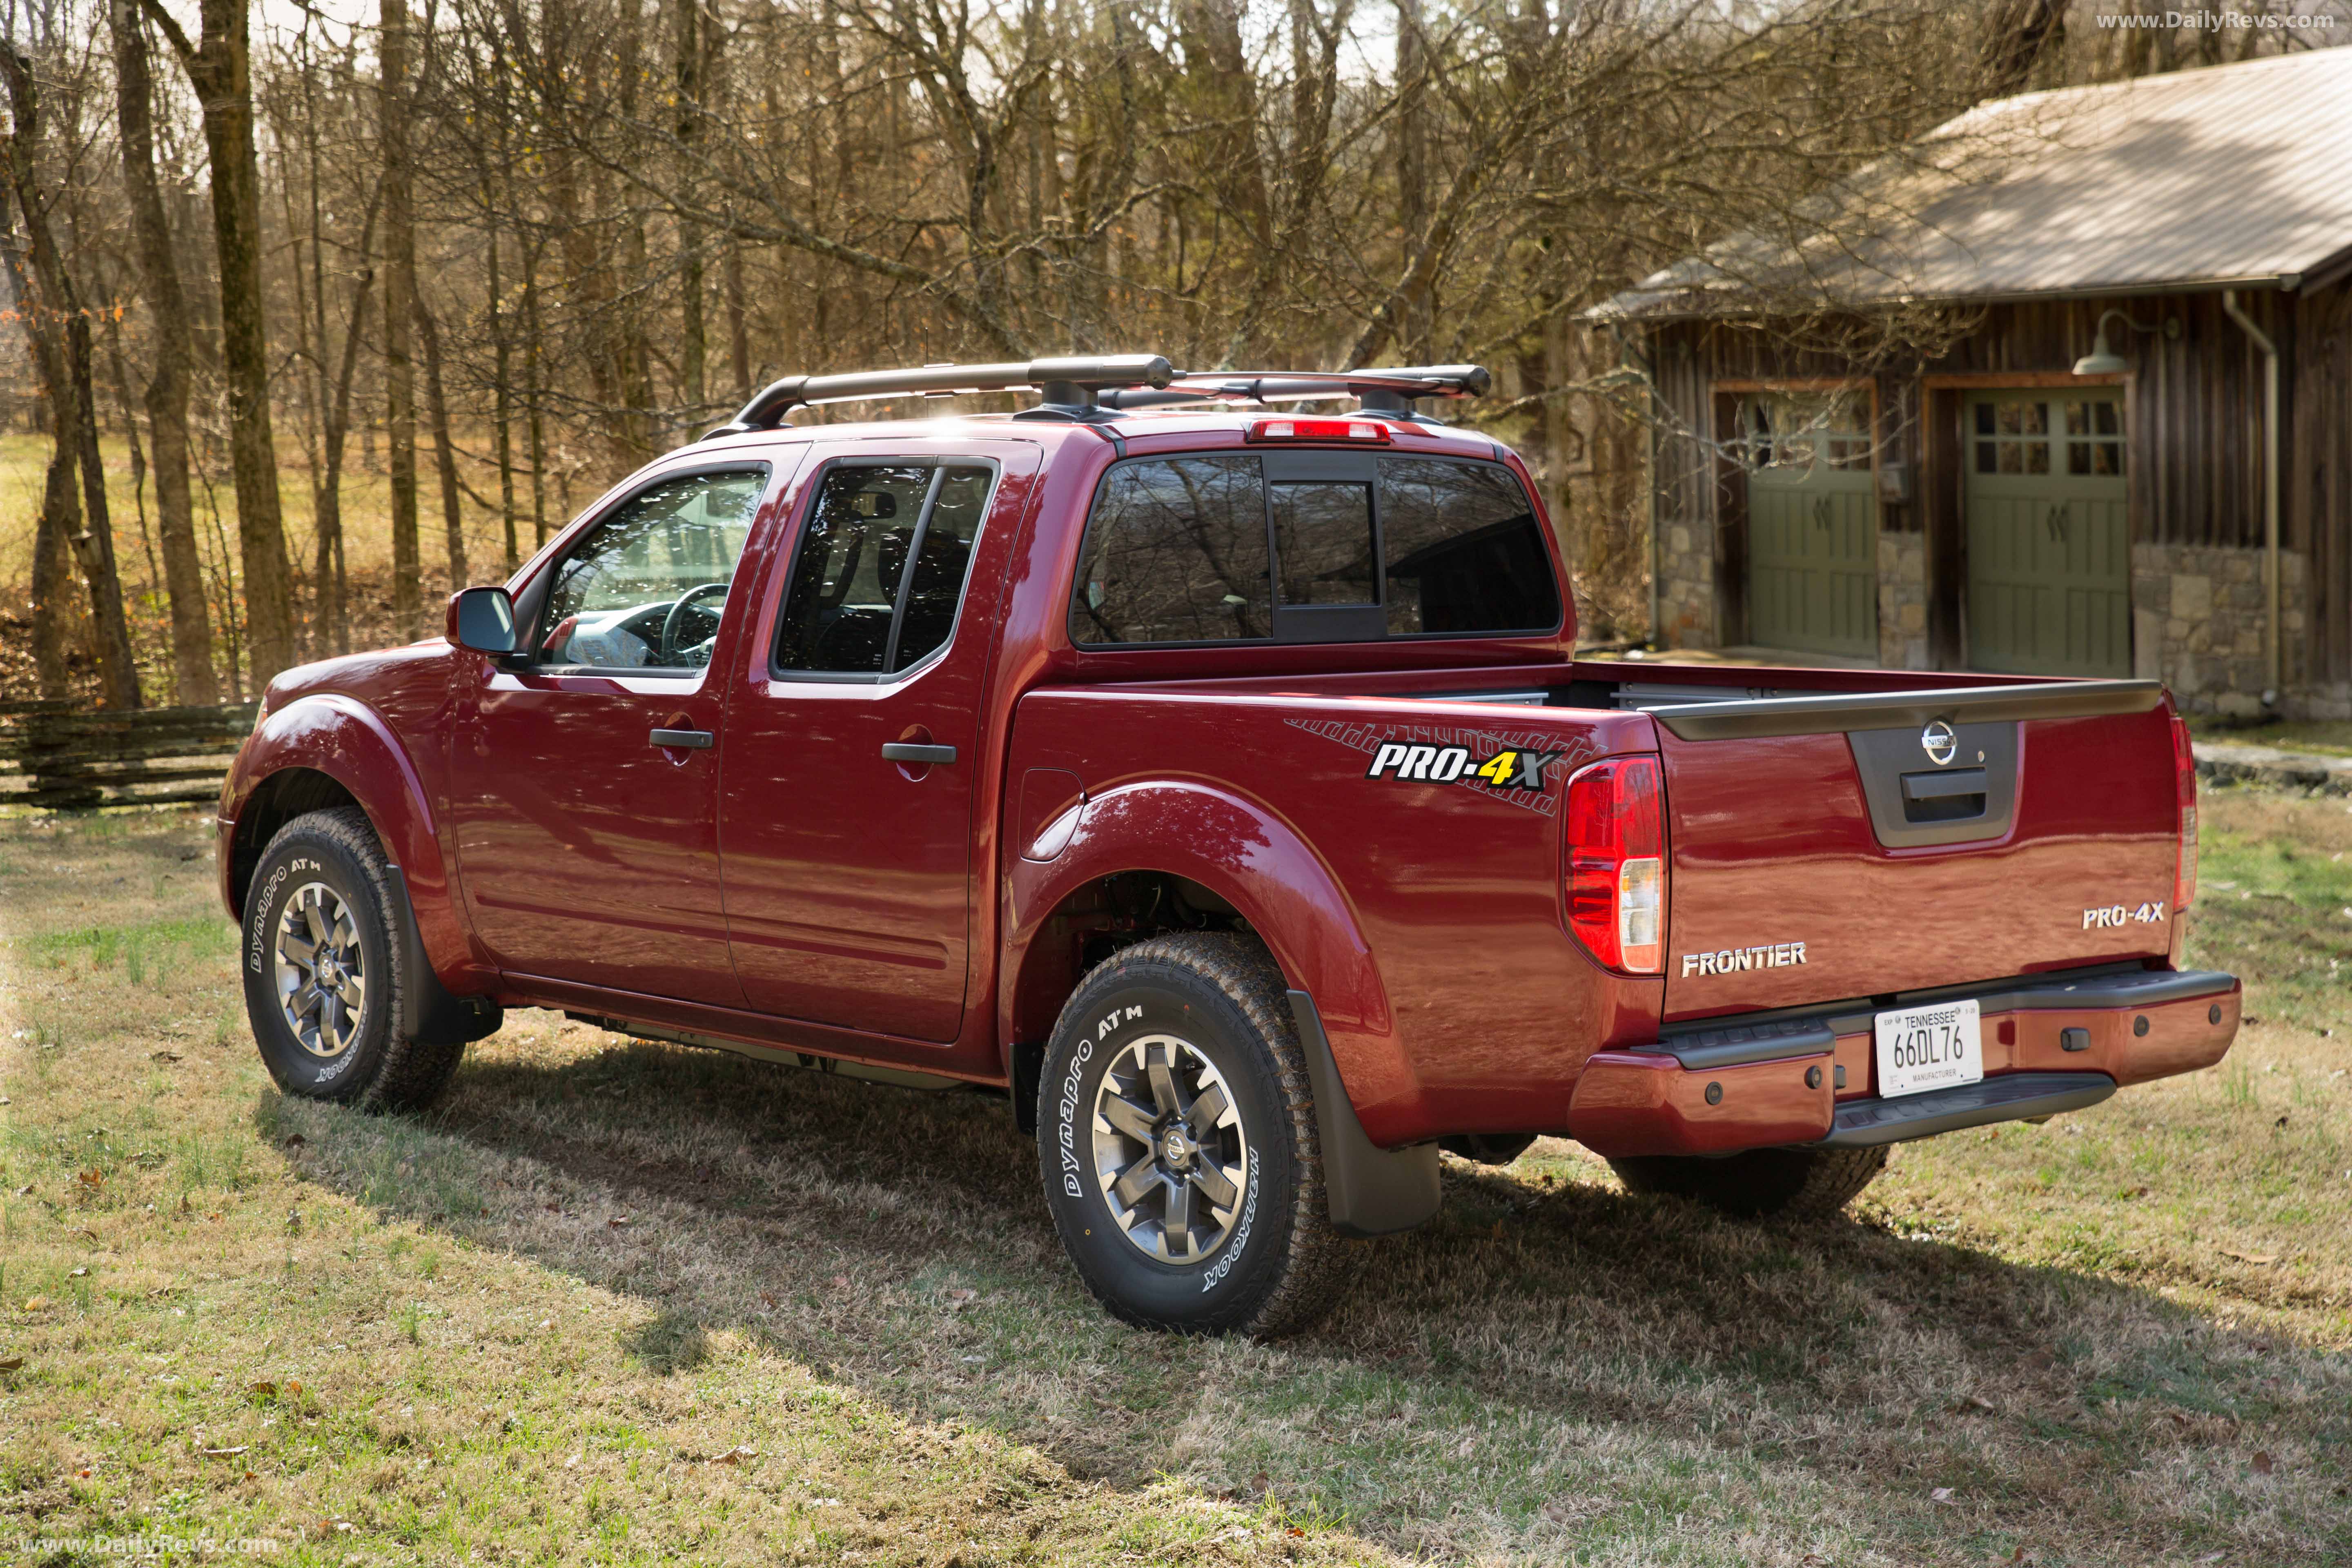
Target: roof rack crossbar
(1064,382)
(1385,389)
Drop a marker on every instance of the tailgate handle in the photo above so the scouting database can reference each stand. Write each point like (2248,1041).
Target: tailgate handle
(1941,787)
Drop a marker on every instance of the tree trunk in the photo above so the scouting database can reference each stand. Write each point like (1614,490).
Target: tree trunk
(217,68)
(66,371)
(193,680)
(399,312)
(445,454)
(1412,168)
(60,508)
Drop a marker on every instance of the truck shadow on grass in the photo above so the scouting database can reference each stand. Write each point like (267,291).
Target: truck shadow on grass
(1551,1366)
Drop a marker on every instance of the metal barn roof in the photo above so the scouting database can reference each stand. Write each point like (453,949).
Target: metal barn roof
(2233,174)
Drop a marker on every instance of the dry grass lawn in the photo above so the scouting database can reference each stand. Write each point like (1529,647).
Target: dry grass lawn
(623,1302)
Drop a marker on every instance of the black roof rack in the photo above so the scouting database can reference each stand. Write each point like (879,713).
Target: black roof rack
(1081,388)
(1064,383)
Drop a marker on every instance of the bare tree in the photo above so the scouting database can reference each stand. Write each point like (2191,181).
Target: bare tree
(218,63)
(61,326)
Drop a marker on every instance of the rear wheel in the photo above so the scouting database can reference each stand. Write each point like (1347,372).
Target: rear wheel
(323,963)
(1794,1183)
(1177,1143)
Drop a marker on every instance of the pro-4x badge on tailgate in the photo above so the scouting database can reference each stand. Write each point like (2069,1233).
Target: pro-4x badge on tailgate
(1511,768)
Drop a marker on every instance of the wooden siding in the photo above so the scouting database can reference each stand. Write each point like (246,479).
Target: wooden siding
(2194,412)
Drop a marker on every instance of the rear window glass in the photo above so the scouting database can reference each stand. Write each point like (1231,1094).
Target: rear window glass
(1176,551)
(1464,552)
(1203,549)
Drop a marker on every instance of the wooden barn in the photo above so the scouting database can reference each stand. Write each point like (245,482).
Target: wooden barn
(2128,446)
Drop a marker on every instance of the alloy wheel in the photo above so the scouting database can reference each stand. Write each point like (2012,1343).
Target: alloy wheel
(321,973)
(1171,1156)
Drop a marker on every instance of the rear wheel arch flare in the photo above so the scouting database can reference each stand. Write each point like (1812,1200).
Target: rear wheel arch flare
(1168,902)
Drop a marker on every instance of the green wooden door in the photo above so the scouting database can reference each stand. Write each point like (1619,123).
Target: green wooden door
(1812,528)
(2049,534)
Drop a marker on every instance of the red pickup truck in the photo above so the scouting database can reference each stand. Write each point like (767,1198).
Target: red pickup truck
(1222,784)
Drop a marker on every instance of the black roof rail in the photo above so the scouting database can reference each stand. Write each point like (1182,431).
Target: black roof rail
(1066,385)
(1391,390)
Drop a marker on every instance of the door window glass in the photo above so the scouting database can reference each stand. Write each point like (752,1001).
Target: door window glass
(2094,437)
(1799,430)
(852,596)
(646,588)
(1176,551)
(1323,537)
(2013,435)
(1465,552)
(942,560)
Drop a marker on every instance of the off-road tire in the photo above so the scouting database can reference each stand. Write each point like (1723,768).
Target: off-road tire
(379,1068)
(1279,1265)
(1761,1183)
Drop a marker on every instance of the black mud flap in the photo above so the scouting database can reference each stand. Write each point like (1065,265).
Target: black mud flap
(1372,1191)
(428,1011)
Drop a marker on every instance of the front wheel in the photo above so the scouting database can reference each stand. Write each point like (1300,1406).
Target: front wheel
(1177,1143)
(1794,1183)
(323,966)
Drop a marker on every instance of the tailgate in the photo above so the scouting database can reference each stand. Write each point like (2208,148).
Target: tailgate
(1827,847)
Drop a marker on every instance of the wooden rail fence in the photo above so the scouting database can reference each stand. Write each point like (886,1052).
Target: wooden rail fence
(57,756)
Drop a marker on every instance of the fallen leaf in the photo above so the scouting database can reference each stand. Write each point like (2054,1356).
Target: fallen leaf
(162,1055)
(2280,1123)
(84,1475)
(2262,1461)
(36,1303)
(841,1281)
(768,1299)
(93,1177)
(293,1387)
(296,1141)
(1972,1401)
(2249,1257)
(2139,1191)
(962,1298)
(78,1274)
(249,1475)
(88,1231)
(13,1363)
(1941,1494)
(225,1453)
(265,1389)
(617,1221)
(1293,1530)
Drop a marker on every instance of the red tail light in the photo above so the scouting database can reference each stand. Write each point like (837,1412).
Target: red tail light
(2184,763)
(1616,863)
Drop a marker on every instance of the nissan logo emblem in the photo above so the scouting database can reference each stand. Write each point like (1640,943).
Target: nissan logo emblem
(1938,742)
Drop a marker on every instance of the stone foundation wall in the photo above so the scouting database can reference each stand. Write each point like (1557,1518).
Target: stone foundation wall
(1686,607)
(2198,618)
(1903,601)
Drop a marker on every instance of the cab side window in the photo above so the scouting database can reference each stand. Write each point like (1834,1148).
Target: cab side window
(646,589)
(880,567)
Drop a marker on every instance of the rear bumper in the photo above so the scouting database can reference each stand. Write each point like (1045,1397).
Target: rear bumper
(2051,1043)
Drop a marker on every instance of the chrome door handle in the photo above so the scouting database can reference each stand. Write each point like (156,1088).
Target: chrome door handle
(680,739)
(908,752)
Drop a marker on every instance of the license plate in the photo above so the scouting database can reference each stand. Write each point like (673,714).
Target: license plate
(1920,1048)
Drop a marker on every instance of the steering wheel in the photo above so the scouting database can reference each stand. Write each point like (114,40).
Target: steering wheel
(667,649)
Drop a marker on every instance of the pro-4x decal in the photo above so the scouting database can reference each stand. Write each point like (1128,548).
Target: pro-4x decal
(1513,767)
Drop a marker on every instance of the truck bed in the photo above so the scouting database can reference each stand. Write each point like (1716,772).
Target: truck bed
(1784,892)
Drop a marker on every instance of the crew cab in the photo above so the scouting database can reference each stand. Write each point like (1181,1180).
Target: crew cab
(1219,780)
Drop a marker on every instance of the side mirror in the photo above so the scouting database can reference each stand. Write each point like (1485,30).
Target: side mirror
(482,620)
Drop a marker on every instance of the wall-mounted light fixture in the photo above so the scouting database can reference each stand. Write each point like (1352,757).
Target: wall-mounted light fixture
(2103,360)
